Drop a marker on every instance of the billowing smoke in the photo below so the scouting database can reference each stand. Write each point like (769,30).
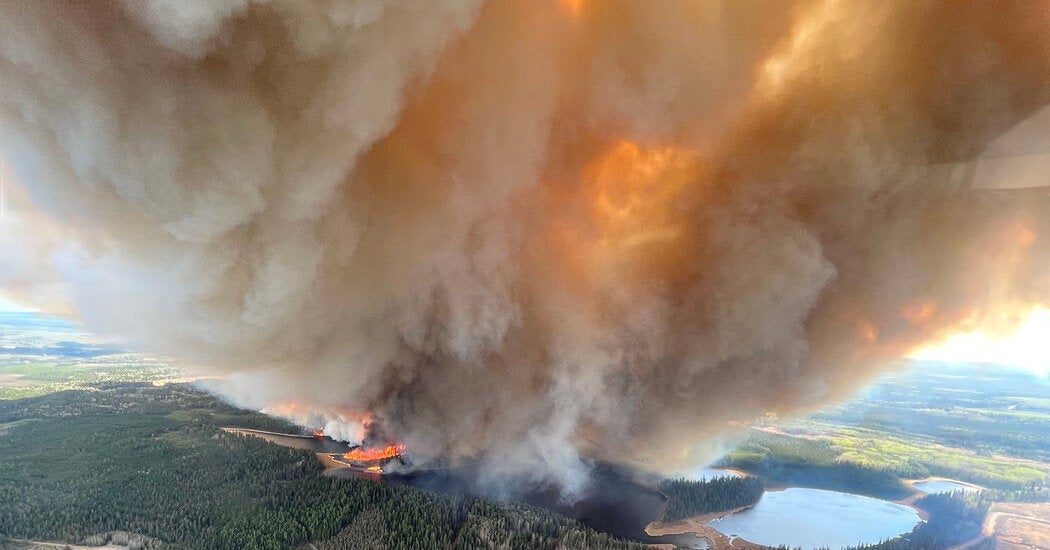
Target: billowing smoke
(531,231)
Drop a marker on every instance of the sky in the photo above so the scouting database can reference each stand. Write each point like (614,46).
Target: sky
(1025,347)
(8,306)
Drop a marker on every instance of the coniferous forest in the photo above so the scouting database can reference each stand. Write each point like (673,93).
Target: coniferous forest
(687,498)
(153,461)
(148,466)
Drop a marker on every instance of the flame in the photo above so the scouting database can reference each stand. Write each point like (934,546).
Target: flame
(361,454)
(319,434)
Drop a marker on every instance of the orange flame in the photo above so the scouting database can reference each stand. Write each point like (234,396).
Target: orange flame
(361,454)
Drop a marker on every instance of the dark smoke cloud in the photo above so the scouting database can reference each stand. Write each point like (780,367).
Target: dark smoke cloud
(535,231)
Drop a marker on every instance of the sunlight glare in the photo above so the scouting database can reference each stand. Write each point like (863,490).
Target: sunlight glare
(1027,347)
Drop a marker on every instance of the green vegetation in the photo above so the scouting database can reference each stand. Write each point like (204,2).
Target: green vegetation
(915,460)
(153,461)
(978,424)
(90,457)
(790,460)
(22,380)
(980,410)
(692,498)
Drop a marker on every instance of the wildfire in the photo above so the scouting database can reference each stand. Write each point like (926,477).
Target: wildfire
(319,434)
(361,454)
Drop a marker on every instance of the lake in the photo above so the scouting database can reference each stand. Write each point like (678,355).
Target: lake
(936,486)
(302,442)
(814,518)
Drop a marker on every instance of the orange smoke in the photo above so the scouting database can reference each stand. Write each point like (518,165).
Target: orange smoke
(868,332)
(918,313)
(574,7)
(634,191)
(340,423)
(624,217)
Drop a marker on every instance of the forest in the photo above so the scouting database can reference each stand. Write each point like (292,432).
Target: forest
(133,461)
(805,463)
(153,461)
(686,498)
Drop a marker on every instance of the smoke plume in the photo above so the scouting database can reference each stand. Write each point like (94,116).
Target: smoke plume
(534,232)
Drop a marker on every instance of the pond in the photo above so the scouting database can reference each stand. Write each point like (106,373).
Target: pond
(935,486)
(814,518)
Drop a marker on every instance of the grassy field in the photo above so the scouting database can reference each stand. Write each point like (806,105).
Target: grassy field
(20,380)
(40,355)
(915,459)
(974,423)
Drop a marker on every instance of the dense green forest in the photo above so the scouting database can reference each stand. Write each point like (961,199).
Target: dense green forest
(805,463)
(153,461)
(687,498)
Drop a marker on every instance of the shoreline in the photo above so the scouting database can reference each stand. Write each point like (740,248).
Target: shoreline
(736,471)
(917,494)
(293,441)
(911,483)
(697,525)
(62,545)
(259,433)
